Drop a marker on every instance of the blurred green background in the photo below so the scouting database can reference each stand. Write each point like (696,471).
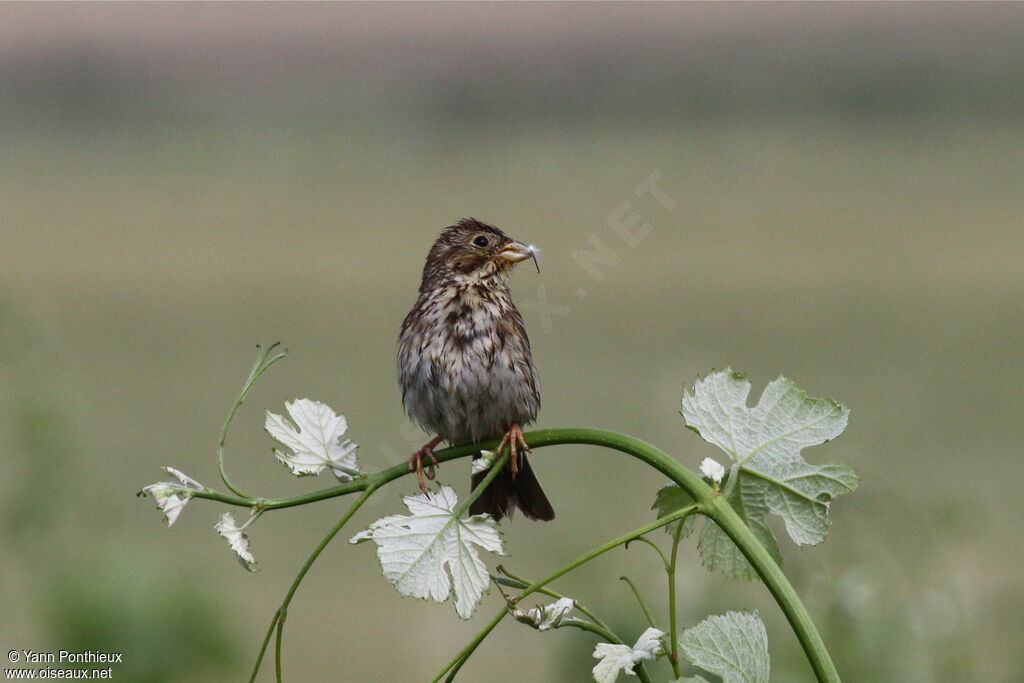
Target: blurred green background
(180,182)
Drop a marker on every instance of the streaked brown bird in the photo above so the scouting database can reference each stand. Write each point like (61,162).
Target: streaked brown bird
(464,362)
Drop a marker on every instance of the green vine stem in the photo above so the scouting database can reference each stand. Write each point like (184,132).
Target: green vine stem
(282,612)
(639,599)
(496,467)
(582,624)
(263,362)
(708,502)
(657,549)
(464,654)
(673,627)
(513,581)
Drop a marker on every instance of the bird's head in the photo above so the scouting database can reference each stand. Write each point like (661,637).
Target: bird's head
(473,251)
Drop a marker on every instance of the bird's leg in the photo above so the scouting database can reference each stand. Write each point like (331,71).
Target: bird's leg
(416,462)
(513,438)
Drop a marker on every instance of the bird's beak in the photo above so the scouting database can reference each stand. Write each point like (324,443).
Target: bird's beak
(516,252)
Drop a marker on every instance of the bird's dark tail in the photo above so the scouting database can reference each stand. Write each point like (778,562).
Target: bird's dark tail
(505,494)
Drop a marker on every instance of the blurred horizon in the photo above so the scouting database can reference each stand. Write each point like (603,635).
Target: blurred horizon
(109,64)
(183,181)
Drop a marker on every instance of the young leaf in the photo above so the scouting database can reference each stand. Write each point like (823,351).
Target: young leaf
(733,645)
(670,498)
(622,658)
(483,463)
(313,440)
(547,616)
(237,539)
(171,497)
(713,470)
(764,444)
(431,553)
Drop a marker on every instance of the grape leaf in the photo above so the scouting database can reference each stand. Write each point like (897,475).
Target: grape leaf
(713,470)
(670,498)
(764,444)
(545,617)
(733,645)
(432,553)
(237,538)
(172,497)
(616,658)
(718,552)
(313,440)
(483,463)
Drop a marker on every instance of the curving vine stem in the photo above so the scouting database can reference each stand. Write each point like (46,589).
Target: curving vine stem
(708,502)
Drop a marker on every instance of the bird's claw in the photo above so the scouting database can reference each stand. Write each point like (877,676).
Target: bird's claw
(513,438)
(416,464)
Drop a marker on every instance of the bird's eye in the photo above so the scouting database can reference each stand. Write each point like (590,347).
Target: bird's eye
(480,241)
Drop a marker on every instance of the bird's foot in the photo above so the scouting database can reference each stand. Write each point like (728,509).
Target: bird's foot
(416,463)
(513,438)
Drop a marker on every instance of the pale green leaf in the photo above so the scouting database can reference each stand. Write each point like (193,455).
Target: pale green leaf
(733,645)
(545,617)
(764,444)
(172,496)
(432,553)
(237,538)
(314,440)
(670,498)
(618,658)
(717,550)
(483,463)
